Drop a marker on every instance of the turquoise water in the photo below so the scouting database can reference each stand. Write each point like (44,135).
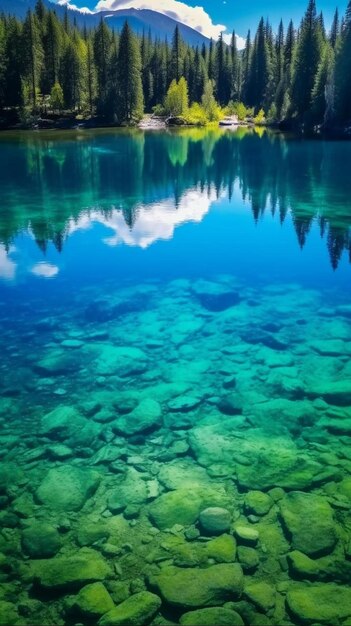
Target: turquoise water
(175,395)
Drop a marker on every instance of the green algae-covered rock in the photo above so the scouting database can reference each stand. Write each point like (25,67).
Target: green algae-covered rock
(200,587)
(40,540)
(338,392)
(222,549)
(258,503)
(121,360)
(135,611)
(146,416)
(66,423)
(334,567)
(309,520)
(93,600)
(182,473)
(283,468)
(181,506)
(8,614)
(323,603)
(248,558)
(261,594)
(216,616)
(90,532)
(65,573)
(67,488)
(183,404)
(56,363)
(215,520)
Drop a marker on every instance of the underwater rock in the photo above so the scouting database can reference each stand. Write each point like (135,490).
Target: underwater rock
(215,520)
(199,587)
(72,572)
(328,568)
(309,520)
(248,558)
(183,404)
(135,611)
(338,393)
(217,616)
(11,477)
(246,535)
(93,600)
(261,594)
(222,549)
(66,423)
(57,363)
(122,361)
(181,506)
(182,474)
(40,540)
(88,532)
(67,488)
(8,614)
(258,503)
(215,297)
(322,603)
(145,417)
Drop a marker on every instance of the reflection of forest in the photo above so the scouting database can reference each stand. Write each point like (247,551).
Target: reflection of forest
(47,180)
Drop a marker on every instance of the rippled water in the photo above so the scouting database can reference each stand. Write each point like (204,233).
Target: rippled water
(175,396)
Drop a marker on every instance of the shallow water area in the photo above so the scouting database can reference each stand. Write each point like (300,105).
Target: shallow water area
(175,398)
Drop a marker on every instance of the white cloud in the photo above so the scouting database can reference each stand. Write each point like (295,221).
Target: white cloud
(45,270)
(154,221)
(195,17)
(74,7)
(7,266)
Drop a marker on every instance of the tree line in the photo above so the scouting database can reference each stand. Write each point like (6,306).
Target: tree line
(299,73)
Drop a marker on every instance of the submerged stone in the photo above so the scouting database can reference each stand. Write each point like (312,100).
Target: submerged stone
(67,488)
(217,616)
(66,573)
(199,587)
(322,603)
(258,503)
(135,611)
(93,600)
(183,404)
(309,520)
(215,520)
(215,297)
(122,361)
(261,594)
(40,540)
(146,416)
(181,506)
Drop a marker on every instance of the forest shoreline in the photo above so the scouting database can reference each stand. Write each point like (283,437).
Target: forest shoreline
(150,122)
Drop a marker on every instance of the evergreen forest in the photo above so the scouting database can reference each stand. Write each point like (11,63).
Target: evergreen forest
(301,74)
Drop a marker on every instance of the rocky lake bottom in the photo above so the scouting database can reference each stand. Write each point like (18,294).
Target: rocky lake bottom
(176,453)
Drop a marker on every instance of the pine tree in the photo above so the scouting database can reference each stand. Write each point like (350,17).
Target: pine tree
(102,54)
(131,101)
(53,45)
(14,68)
(343,70)
(246,63)
(177,55)
(3,63)
(32,55)
(322,108)
(335,30)
(91,76)
(260,72)
(235,70)
(308,54)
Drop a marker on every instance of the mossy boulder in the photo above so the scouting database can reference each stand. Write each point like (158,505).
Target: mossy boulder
(135,611)
(93,600)
(261,594)
(145,417)
(67,488)
(322,603)
(216,616)
(215,520)
(195,587)
(181,506)
(8,614)
(40,540)
(258,503)
(73,572)
(308,518)
(222,549)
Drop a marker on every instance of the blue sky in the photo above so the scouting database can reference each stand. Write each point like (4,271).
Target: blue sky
(233,14)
